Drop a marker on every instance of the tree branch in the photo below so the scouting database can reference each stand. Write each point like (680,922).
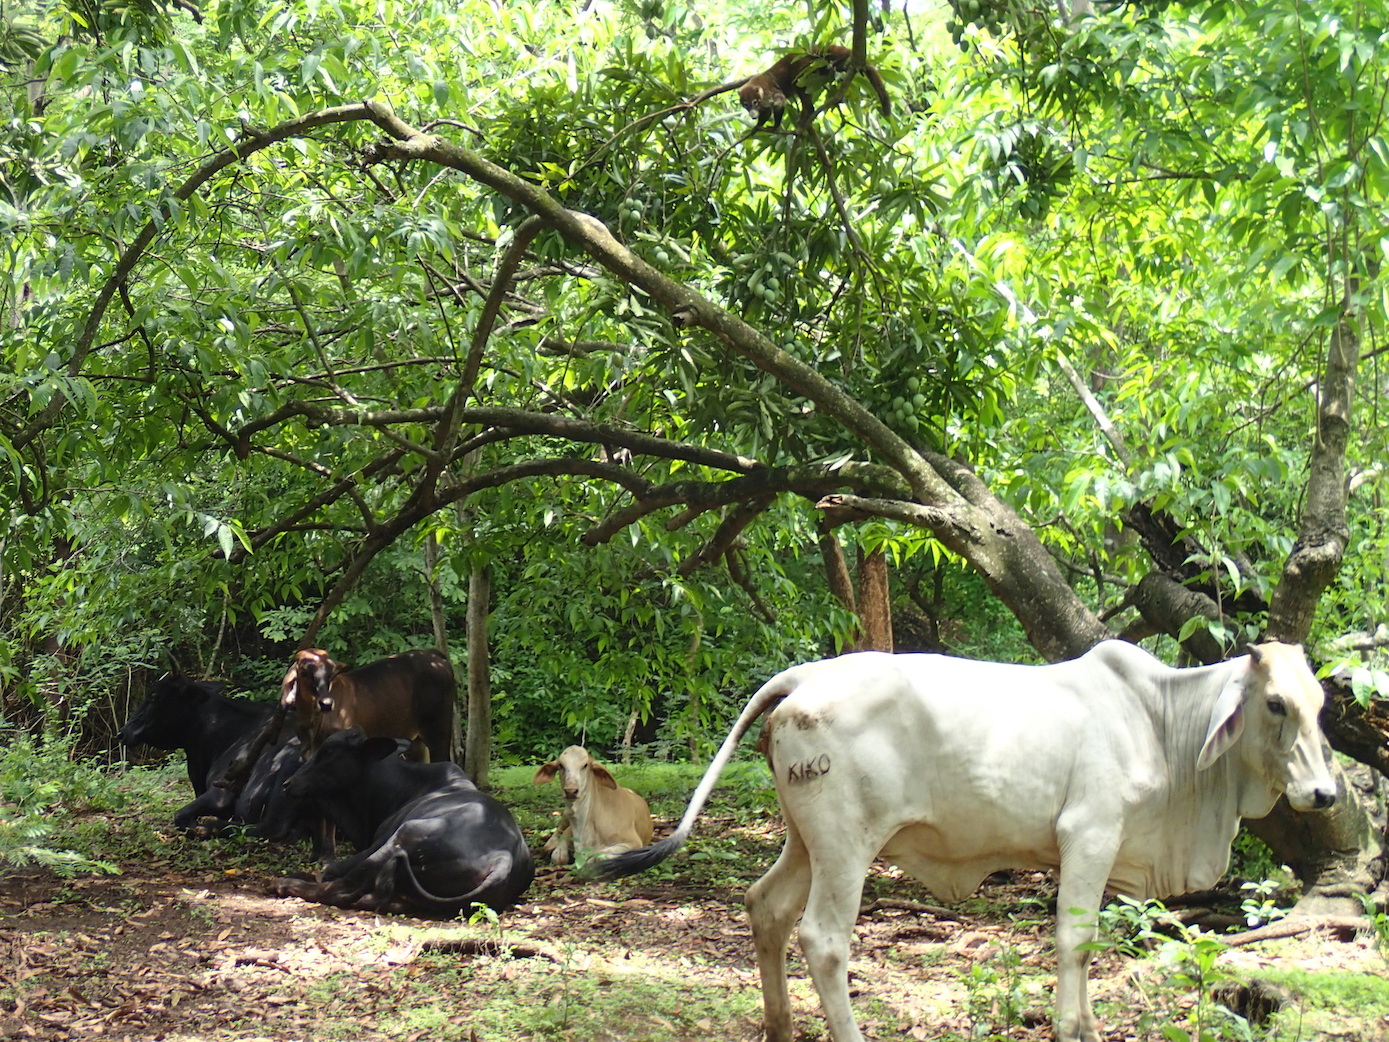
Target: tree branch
(131,255)
(726,534)
(1096,410)
(841,508)
(687,307)
(811,481)
(1167,605)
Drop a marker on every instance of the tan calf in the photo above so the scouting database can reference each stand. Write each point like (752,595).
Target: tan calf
(600,816)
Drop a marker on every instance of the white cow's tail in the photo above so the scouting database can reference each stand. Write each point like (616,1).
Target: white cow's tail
(634,861)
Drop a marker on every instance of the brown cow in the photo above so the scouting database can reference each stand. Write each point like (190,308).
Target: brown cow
(600,816)
(410,696)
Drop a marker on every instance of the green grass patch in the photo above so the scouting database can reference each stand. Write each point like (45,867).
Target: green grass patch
(526,998)
(1354,993)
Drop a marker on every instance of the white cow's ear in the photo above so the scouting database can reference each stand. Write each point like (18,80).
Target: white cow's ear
(1226,724)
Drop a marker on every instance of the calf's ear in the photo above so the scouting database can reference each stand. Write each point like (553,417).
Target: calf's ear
(1226,723)
(546,772)
(289,686)
(601,775)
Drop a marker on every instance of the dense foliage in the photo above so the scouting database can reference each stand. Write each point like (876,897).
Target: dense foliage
(247,366)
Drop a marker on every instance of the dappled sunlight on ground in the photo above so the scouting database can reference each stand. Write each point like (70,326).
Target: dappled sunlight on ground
(164,954)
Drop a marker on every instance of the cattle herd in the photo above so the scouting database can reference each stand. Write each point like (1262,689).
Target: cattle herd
(365,754)
(1118,772)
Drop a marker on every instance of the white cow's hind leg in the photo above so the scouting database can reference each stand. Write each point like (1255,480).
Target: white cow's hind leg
(774,904)
(827,928)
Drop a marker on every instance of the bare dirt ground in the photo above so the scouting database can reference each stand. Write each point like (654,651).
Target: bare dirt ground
(160,952)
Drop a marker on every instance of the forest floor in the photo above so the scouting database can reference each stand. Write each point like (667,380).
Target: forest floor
(178,947)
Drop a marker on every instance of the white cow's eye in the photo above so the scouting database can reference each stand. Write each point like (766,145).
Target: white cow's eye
(1276,707)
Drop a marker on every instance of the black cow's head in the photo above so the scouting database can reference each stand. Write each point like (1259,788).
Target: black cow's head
(339,762)
(310,675)
(169,713)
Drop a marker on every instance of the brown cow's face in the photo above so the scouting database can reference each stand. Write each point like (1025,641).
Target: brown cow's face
(310,676)
(316,670)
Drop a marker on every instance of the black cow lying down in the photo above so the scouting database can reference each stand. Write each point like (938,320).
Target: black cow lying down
(212,730)
(431,843)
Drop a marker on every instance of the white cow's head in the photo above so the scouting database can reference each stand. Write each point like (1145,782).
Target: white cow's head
(1271,711)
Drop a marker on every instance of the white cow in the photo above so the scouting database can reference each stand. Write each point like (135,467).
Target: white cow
(600,816)
(1118,770)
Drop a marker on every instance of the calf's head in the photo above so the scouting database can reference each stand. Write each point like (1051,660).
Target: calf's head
(577,771)
(310,676)
(1269,715)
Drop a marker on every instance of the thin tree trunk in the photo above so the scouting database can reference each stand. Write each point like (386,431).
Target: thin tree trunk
(478,745)
(836,568)
(628,732)
(436,594)
(1333,853)
(870,602)
(441,632)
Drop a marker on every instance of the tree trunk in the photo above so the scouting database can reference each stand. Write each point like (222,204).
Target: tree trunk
(836,568)
(441,633)
(1336,854)
(874,602)
(1332,852)
(478,745)
(870,601)
(1315,560)
(436,595)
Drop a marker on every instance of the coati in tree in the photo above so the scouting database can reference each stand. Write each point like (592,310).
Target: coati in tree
(765,94)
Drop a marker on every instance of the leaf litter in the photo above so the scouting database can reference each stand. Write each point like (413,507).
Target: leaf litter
(163,954)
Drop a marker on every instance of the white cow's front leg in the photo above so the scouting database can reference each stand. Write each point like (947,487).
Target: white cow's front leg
(1086,859)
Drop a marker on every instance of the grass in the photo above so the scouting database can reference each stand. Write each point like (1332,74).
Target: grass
(1347,1003)
(568,1001)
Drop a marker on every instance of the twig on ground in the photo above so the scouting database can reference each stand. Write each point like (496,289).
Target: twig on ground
(909,906)
(1343,926)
